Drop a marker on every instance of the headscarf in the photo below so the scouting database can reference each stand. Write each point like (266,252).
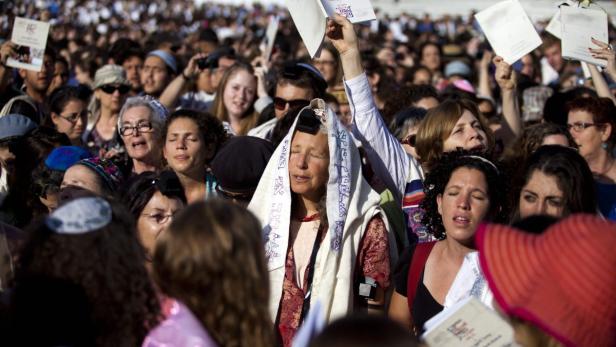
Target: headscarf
(350,203)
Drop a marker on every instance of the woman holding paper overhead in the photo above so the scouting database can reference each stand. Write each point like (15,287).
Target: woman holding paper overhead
(447,127)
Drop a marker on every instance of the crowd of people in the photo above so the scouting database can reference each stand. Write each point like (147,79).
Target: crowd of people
(165,182)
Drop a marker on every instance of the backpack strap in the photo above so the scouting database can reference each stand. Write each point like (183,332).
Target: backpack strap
(418,262)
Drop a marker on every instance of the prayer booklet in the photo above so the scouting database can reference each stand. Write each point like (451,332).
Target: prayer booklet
(509,30)
(310,17)
(469,323)
(31,36)
(579,25)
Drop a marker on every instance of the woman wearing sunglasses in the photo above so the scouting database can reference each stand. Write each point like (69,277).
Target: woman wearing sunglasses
(140,124)
(591,123)
(110,91)
(68,113)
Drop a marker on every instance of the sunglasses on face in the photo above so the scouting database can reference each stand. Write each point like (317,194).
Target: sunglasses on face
(109,89)
(280,103)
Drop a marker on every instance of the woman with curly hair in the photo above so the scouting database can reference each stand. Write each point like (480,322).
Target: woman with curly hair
(464,190)
(88,248)
(191,139)
(211,261)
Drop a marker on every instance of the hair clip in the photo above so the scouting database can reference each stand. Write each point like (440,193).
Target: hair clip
(80,216)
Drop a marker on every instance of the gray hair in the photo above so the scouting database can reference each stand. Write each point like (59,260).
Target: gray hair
(158,112)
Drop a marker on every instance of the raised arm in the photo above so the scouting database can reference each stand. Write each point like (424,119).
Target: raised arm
(484,75)
(604,52)
(384,150)
(177,87)
(506,79)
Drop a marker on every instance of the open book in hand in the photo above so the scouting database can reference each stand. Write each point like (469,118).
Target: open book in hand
(468,323)
(310,17)
(579,25)
(509,30)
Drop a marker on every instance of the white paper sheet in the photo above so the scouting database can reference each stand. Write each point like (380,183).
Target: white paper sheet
(310,22)
(270,38)
(555,26)
(509,30)
(578,26)
(356,11)
(31,36)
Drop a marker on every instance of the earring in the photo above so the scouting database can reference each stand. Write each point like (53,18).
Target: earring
(604,145)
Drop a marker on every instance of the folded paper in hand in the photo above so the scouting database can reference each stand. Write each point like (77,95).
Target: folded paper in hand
(31,37)
(469,323)
(310,17)
(579,25)
(509,30)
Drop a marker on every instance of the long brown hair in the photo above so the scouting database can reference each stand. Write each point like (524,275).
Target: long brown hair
(438,124)
(251,117)
(212,259)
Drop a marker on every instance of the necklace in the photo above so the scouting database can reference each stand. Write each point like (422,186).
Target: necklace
(309,218)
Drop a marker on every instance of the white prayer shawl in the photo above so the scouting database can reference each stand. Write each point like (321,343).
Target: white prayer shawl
(351,204)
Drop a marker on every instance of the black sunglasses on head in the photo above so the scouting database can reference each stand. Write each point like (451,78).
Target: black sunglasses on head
(110,89)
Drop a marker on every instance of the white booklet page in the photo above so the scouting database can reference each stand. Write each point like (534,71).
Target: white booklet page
(509,30)
(579,25)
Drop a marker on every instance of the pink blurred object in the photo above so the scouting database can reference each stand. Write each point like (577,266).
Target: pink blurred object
(180,329)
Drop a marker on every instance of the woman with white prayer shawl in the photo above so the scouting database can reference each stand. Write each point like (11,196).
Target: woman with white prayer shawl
(322,224)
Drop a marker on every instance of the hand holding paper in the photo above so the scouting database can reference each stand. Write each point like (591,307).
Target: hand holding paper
(341,34)
(8,49)
(604,52)
(504,74)
(509,30)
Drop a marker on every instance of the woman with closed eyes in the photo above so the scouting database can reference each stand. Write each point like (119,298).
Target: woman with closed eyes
(463,190)
(191,139)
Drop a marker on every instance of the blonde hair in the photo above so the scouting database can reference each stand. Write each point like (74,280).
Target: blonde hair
(436,127)
(212,259)
(251,117)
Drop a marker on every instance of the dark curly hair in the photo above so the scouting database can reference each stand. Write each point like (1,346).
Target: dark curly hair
(107,264)
(212,259)
(210,127)
(438,177)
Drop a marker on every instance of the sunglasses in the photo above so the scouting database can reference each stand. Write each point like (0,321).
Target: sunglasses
(109,89)
(280,103)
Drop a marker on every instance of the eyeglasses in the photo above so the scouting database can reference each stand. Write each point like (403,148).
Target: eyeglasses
(581,126)
(143,127)
(109,89)
(74,117)
(280,103)
(159,218)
